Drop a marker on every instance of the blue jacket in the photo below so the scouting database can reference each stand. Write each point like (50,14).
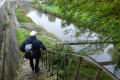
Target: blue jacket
(37,44)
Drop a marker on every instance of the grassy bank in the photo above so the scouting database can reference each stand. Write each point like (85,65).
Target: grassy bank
(45,8)
(22,18)
(50,9)
(28,24)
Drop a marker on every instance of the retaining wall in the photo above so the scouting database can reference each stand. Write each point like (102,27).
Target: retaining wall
(9,50)
(2,12)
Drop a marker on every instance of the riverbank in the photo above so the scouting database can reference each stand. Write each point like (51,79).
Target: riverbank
(51,9)
(26,23)
(54,10)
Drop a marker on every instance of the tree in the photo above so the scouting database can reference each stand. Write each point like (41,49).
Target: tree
(102,16)
(50,2)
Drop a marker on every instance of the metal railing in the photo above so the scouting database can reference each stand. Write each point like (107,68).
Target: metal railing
(49,66)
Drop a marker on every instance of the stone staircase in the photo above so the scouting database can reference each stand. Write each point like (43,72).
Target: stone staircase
(25,73)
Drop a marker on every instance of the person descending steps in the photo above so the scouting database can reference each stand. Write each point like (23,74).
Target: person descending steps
(31,47)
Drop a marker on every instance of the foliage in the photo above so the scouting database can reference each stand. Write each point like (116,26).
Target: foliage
(102,16)
(87,69)
(39,7)
(50,2)
(21,16)
(35,3)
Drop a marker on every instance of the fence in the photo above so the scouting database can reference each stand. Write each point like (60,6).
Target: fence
(49,66)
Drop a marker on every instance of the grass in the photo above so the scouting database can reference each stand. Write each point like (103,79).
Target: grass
(45,8)
(51,9)
(39,29)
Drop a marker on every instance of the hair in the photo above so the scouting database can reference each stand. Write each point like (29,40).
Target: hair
(33,33)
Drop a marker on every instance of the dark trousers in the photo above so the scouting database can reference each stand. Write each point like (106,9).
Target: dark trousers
(36,64)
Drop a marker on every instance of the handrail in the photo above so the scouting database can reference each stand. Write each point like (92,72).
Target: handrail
(80,59)
(87,42)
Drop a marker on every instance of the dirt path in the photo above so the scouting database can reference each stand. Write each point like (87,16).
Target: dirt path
(25,73)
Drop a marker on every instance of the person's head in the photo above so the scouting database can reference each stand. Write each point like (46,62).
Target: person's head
(33,33)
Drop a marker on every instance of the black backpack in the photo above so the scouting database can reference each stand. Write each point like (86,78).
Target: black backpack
(29,50)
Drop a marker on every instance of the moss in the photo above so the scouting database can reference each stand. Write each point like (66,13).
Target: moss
(6,25)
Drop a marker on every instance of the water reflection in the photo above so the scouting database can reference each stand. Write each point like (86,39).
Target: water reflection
(39,14)
(52,27)
(107,56)
(50,17)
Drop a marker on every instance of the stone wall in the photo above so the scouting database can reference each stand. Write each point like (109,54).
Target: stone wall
(2,12)
(9,50)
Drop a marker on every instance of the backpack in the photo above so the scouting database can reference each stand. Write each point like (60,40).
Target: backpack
(29,51)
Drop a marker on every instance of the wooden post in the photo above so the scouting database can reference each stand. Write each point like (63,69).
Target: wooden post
(42,58)
(49,62)
(80,59)
(97,74)
(64,66)
(58,62)
(52,62)
(46,59)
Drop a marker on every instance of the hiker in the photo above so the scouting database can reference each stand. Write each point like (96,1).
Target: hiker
(36,53)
